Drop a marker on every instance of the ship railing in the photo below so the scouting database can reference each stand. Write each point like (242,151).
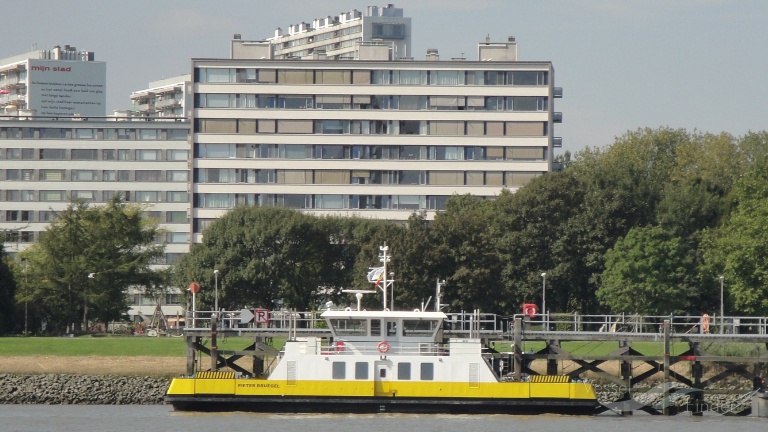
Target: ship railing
(461,323)
(369,348)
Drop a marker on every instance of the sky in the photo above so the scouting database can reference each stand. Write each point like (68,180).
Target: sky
(699,65)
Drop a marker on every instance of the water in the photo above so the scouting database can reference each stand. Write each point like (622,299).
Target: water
(161,418)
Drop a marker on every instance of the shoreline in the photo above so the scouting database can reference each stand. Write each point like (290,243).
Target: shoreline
(94,365)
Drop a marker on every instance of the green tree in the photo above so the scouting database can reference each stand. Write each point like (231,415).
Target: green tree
(737,249)
(646,273)
(465,253)
(85,261)
(535,233)
(263,254)
(7,294)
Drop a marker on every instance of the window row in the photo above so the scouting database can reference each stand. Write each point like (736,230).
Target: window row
(95,175)
(309,151)
(94,133)
(323,201)
(49,215)
(364,76)
(344,177)
(372,127)
(93,154)
(339,371)
(460,103)
(92,195)
(19,236)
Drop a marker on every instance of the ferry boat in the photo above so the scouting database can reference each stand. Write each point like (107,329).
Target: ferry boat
(384,361)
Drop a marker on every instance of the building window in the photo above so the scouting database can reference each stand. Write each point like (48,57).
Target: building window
(177,176)
(145,155)
(55,195)
(84,154)
(53,154)
(52,175)
(177,197)
(147,196)
(176,217)
(147,175)
(177,155)
(178,237)
(83,175)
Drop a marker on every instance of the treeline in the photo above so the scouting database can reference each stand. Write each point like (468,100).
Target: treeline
(648,225)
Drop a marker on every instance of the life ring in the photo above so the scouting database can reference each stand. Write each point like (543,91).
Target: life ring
(339,346)
(383,347)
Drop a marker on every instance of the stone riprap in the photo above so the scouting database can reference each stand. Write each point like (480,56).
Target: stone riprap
(79,389)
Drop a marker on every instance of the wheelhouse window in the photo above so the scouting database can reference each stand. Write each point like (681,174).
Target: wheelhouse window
(420,328)
(350,327)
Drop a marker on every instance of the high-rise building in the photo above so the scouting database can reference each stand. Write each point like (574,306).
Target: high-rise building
(163,98)
(372,138)
(60,82)
(335,37)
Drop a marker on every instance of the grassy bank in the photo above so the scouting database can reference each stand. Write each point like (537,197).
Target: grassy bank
(108,346)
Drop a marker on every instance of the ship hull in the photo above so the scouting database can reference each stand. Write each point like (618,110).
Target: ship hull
(304,404)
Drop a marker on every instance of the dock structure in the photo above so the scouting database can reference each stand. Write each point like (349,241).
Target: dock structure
(686,363)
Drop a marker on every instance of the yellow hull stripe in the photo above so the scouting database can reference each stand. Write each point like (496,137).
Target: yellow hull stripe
(427,389)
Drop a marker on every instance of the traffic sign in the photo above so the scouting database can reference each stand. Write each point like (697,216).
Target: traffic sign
(261,316)
(246,316)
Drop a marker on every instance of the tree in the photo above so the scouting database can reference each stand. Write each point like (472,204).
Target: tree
(263,254)
(85,261)
(536,234)
(465,253)
(738,248)
(7,294)
(645,273)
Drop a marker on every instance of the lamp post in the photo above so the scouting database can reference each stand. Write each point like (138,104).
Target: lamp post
(722,308)
(216,291)
(544,295)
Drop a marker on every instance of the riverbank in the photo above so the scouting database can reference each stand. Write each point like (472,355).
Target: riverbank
(64,389)
(94,365)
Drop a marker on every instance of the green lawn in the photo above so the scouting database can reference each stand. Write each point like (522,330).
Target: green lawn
(118,346)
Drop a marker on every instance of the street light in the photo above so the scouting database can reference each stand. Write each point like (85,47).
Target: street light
(216,291)
(722,309)
(544,295)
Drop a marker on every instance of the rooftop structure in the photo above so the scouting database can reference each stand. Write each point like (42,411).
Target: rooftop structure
(60,82)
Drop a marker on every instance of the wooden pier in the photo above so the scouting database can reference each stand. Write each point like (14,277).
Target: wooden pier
(693,367)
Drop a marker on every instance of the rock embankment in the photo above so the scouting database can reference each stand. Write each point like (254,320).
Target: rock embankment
(80,389)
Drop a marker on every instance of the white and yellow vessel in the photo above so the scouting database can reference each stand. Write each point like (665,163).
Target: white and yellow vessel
(383,361)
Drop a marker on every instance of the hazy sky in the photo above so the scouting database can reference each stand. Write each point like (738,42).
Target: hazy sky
(623,64)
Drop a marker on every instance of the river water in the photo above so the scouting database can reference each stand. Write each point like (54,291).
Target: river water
(161,418)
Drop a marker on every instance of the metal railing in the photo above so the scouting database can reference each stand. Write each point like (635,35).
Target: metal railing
(487,323)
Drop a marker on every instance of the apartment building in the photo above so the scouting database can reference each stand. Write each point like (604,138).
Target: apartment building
(163,98)
(371,138)
(45,161)
(60,82)
(336,37)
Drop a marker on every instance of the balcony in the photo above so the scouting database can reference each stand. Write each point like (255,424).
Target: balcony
(557,142)
(167,103)
(557,117)
(557,92)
